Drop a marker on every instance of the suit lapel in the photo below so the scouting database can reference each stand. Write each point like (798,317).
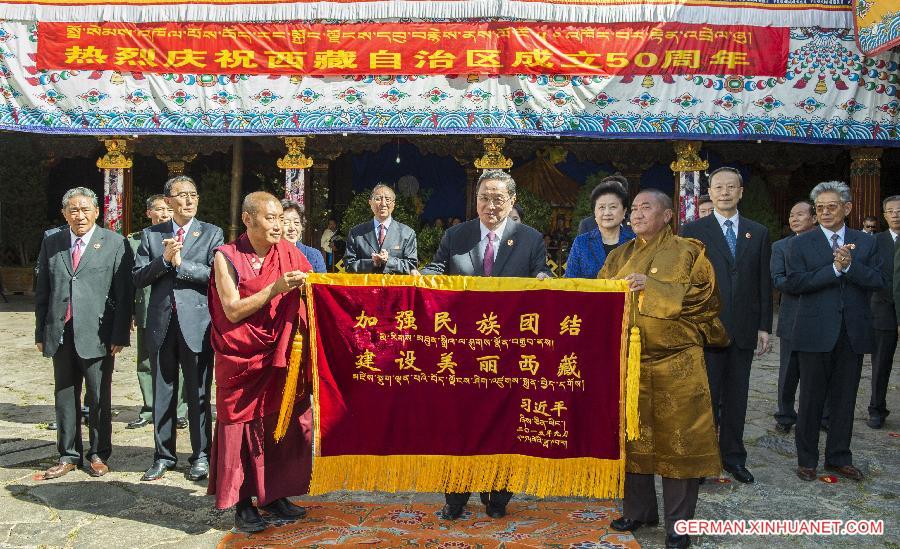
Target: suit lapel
(64,242)
(717,238)
(196,228)
(371,237)
(91,249)
(507,241)
(392,236)
(475,253)
(742,241)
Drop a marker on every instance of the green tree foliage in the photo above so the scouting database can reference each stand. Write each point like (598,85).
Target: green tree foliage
(215,199)
(23,184)
(756,204)
(537,212)
(428,238)
(583,200)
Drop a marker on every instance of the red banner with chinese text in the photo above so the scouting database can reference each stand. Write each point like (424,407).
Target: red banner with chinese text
(489,48)
(468,384)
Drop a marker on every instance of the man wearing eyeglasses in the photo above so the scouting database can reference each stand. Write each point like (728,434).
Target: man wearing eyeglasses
(175,258)
(833,270)
(884,315)
(383,245)
(739,250)
(492,245)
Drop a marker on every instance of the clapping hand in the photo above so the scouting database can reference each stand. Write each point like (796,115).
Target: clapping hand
(172,251)
(380,258)
(842,257)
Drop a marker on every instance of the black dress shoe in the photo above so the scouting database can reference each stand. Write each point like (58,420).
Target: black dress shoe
(199,470)
(138,423)
(284,509)
(485,498)
(451,512)
(495,511)
(623,524)
(823,426)
(875,422)
(783,427)
(181,423)
(156,471)
(740,474)
(247,519)
(674,541)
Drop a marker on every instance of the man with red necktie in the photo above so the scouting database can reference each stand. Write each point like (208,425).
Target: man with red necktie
(383,245)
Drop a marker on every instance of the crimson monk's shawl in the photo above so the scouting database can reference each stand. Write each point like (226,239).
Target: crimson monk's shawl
(252,355)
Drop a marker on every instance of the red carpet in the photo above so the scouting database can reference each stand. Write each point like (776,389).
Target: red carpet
(528,524)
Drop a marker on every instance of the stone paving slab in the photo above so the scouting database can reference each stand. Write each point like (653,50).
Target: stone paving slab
(120,511)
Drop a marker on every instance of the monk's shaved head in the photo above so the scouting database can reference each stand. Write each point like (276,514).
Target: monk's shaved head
(662,198)
(254,201)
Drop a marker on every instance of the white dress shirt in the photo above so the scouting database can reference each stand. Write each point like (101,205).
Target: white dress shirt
(734,220)
(893,235)
(498,232)
(85,240)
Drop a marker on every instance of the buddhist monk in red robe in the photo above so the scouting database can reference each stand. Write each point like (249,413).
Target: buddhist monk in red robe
(256,308)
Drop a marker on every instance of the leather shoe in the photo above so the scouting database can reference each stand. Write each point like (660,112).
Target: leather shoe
(97,467)
(846,471)
(138,423)
(199,470)
(875,422)
(623,524)
(740,474)
(485,498)
(674,541)
(59,470)
(248,520)
(284,509)
(181,423)
(495,511)
(823,426)
(51,426)
(156,471)
(783,427)
(806,473)
(451,512)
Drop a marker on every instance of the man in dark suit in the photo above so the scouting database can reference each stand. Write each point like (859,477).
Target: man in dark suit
(884,315)
(492,245)
(83,305)
(175,259)
(382,245)
(801,219)
(739,250)
(158,212)
(833,270)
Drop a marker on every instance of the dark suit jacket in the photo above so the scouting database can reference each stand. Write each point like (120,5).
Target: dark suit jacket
(100,291)
(745,286)
(778,267)
(399,241)
(522,252)
(141,295)
(587,224)
(188,283)
(884,317)
(827,301)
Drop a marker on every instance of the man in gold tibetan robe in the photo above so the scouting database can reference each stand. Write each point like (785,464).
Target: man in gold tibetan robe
(677,313)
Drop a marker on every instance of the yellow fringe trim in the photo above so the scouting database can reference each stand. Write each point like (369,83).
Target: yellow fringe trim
(482,283)
(633,384)
(295,367)
(541,477)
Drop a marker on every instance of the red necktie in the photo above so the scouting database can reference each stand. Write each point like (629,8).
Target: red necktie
(489,255)
(380,236)
(76,259)
(179,236)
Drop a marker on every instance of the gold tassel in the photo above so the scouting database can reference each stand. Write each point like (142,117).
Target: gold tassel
(295,364)
(633,384)
(542,477)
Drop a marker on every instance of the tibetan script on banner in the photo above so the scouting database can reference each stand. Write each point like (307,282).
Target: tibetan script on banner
(460,376)
(490,48)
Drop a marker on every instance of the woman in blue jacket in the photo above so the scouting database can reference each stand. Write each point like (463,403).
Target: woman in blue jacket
(589,250)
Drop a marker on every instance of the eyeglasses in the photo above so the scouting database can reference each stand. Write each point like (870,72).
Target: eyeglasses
(892,212)
(384,199)
(493,200)
(185,195)
(724,187)
(830,207)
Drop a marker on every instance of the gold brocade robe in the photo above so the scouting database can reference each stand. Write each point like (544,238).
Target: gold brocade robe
(678,315)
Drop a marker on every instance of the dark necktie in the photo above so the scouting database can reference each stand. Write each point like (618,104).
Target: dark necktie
(834,242)
(489,255)
(179,236)
(381,232)
(76,259)
(730,237)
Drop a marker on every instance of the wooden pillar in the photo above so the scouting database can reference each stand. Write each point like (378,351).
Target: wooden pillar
(865,185)
(687,168)
(318,188)
(237,174)
(116,165)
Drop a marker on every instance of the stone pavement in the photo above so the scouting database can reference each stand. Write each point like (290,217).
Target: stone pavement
(120,511)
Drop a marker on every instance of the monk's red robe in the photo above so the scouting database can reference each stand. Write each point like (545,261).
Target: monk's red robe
(251,359)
